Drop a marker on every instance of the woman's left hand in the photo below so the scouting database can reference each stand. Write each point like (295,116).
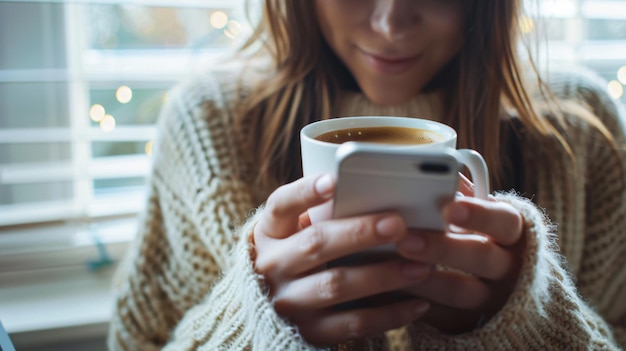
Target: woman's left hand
(480,256)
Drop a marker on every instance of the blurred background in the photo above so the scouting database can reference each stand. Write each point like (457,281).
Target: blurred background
(81,84)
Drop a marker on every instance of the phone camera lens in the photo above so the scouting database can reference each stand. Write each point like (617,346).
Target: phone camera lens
(436,168)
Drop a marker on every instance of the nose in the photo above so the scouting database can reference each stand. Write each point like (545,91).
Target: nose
(393,19)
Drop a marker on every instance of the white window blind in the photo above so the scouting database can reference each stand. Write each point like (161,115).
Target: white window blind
(81,84)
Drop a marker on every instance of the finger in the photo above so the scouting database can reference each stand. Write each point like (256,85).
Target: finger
(452,289)
(466,187)
(474,254)
(323,242)
(456,229)
(340,284)
(285,204)
(338,327)
(304,220)
(498,220)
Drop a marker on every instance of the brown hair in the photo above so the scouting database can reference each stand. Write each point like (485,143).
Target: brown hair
(306,78)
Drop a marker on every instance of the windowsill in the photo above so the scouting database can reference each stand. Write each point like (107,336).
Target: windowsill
(58,288)
(76,306)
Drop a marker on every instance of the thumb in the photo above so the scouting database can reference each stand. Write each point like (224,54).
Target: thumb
(281,216)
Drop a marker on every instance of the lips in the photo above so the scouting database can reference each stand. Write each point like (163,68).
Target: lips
(389,64)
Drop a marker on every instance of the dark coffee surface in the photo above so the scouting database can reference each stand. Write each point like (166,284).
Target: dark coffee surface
(384,135)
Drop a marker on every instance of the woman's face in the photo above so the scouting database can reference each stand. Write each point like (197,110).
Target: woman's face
(393,48)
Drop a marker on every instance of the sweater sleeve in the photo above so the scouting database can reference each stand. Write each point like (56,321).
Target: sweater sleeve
(544,312)
(187,282)
(236,314)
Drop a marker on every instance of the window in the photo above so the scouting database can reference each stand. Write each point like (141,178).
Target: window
(81,85)
(584,32)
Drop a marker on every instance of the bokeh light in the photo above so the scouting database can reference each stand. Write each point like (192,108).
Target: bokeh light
(107,124)
(616,90)
(124,94)
(148,148)
(526,24)
(96,112)
(218,19)
(233,29)
(621,75)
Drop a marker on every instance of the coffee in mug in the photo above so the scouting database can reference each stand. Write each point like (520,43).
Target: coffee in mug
(383,135)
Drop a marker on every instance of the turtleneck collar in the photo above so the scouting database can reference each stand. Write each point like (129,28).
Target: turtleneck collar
(425,105)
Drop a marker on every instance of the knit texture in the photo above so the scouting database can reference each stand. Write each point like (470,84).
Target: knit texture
(188,283)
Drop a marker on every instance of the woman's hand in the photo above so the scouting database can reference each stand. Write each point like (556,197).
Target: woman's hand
(291,254)
(480,256)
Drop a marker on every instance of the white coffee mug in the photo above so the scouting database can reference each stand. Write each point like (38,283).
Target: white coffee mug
(319,156)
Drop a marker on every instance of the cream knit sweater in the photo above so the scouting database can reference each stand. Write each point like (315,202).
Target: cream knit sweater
(188,281)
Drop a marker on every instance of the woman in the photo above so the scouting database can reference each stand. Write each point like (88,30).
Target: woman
(227,258)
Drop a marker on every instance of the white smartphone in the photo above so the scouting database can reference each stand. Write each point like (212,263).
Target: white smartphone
(371,179)
(415,182)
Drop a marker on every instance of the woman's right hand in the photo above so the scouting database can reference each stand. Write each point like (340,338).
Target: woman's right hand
(292,255)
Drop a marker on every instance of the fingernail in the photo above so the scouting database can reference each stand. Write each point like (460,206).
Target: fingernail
(389,226)
(456,229)
(413,244)
(458,213)
(415,270)
(324,185)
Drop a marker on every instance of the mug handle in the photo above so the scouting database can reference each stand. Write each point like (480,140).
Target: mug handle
(477,166)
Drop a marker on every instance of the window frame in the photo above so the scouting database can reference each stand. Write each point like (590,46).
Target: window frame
(67,250)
